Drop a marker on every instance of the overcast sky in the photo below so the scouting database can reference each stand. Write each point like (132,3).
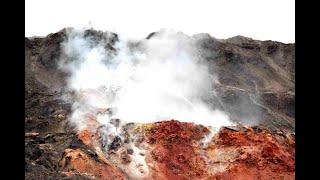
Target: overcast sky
(258,19)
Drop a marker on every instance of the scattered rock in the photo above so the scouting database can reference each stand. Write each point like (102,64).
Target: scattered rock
(115,143)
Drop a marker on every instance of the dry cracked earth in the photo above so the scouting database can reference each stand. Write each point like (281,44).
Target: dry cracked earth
(258,75)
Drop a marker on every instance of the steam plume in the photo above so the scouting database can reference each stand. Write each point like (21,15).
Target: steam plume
(145,81)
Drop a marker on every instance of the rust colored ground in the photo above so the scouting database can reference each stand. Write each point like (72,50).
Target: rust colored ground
(262,155)
(78,162)
(259,154)
(175,151)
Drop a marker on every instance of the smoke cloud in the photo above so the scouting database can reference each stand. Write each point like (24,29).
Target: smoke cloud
(143,81)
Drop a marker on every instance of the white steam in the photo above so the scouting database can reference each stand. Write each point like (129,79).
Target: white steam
(151,80)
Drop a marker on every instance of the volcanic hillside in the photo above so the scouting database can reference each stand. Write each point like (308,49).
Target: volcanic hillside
(256,82)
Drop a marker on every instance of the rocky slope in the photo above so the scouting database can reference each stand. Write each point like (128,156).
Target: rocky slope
(256,80)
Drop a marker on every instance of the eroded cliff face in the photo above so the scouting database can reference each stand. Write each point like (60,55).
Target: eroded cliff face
(255,83)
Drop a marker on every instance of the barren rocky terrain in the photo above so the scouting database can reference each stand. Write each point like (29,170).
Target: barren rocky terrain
(256,80)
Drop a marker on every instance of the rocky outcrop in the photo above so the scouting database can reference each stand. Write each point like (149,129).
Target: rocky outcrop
(256,79)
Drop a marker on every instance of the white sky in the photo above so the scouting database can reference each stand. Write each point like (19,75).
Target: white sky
(258,19)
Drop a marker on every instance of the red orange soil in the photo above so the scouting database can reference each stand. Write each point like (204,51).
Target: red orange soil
(78,162)
(89,135)
(262,155)
(175,151)
(232,154)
